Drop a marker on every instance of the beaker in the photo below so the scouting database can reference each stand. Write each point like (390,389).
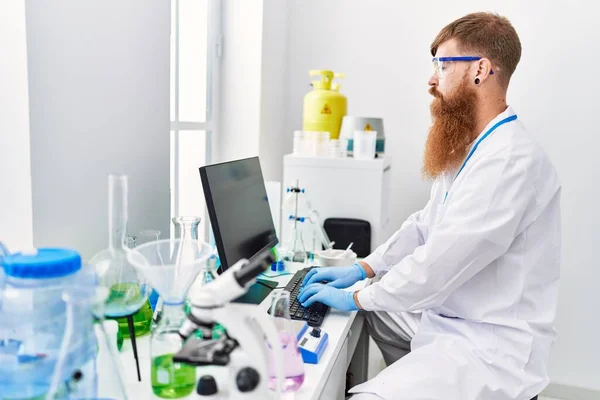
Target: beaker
(293,371)
(170,380)
(171,276)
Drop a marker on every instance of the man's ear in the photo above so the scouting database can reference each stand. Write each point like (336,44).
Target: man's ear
(484,70)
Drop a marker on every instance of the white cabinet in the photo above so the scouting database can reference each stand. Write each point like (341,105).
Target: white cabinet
(341,188)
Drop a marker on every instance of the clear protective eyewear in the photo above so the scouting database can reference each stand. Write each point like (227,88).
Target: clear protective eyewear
(443,66)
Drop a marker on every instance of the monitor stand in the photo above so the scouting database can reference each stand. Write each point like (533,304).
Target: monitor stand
(257,292)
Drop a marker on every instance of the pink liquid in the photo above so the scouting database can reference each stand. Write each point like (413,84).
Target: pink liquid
(293,367)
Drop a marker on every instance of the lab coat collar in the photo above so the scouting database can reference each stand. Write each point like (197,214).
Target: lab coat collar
(505,114)
(449,176)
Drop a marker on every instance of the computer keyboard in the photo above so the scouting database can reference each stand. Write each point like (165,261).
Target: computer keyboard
(314,314)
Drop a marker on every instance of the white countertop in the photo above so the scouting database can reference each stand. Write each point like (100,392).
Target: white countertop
(336,324)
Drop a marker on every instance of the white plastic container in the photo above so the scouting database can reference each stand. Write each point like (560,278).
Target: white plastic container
(298,143)
(334,148)
(364,144)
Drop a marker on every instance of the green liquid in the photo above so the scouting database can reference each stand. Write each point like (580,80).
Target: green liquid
(119,340)
(172,380)
(141,321)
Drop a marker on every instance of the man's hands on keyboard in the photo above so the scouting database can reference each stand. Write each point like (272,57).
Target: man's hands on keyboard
(315,313)
(337,277)
(337,298)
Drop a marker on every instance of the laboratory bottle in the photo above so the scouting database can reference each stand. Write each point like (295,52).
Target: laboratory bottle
(34,319)
(293,371)
(324,106)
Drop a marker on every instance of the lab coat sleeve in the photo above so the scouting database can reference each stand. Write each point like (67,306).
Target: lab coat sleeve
(411,235)
(479,221)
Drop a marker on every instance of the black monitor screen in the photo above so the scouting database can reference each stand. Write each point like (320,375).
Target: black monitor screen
(238,209)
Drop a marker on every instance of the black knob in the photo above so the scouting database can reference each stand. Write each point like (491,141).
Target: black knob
(316,332)
(247,379)
(207,386)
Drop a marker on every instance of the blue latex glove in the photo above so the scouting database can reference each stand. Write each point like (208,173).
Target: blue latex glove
(338,277)
(333,297)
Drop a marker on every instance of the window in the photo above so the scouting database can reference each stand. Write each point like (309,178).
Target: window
(195,34)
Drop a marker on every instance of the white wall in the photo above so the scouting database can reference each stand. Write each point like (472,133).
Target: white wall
(273,99)
(99,104)
(15,171)
(383,47)
(240,80)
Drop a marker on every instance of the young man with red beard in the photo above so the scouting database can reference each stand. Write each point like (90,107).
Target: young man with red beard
(464,302)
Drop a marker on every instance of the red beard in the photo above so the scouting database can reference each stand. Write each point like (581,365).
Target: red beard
(451,132)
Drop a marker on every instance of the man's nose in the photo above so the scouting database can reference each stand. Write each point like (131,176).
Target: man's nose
(434,81)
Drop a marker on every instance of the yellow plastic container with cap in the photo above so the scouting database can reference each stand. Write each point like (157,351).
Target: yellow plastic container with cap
(324,106)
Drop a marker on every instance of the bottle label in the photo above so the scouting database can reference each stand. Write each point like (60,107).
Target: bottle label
(326,109)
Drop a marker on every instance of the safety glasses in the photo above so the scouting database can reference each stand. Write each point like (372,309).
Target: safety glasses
(443,66)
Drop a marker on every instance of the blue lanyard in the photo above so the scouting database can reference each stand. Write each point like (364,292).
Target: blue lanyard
(488,133)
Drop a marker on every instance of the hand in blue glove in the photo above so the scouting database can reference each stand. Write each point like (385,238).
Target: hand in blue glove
(336,298)
(338,277)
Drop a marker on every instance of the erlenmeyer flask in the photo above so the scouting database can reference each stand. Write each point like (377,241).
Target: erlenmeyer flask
(295,250)
(293,372)
(128,291)
(186,229)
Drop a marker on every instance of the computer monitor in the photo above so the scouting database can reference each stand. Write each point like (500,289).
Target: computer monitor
(240,216)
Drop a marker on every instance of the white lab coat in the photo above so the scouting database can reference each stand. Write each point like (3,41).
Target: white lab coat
(483,267)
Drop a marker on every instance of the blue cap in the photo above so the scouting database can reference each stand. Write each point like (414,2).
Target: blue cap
(42,263)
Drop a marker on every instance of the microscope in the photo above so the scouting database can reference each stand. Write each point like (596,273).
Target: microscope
(243,347)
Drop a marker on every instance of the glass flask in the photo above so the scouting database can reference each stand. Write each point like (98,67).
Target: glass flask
(171,276)
(170,380)
(143,318)
(293,371)
(186,229)
(128,290)
(295,250)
